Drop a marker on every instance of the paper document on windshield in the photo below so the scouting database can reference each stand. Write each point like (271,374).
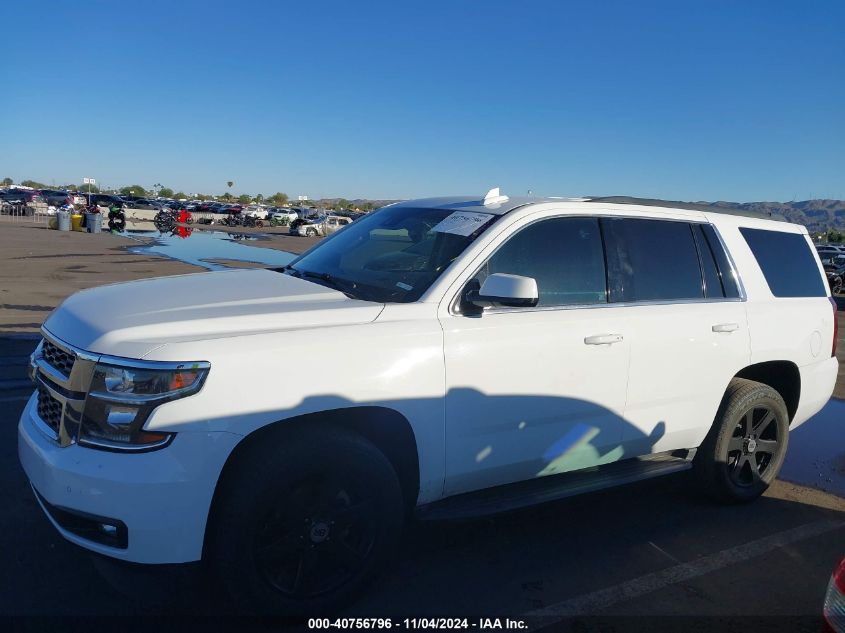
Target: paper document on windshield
(462,223)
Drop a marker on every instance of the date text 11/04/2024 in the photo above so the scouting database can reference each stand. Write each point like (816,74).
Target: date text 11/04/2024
(417,624)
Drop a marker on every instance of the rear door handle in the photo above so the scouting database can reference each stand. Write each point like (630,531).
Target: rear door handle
(603,339)
(725,327)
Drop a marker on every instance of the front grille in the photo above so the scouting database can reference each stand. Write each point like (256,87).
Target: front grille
(49,409)
(57,358)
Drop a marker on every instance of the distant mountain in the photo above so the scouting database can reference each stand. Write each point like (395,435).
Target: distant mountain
(816,215)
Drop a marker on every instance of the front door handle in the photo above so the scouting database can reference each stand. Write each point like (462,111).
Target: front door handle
(725,327)
(603,339)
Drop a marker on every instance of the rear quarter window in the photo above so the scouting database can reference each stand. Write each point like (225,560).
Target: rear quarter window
(787,263)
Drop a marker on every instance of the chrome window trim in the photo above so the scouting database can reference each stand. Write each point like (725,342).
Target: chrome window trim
(454,303)
(740,286)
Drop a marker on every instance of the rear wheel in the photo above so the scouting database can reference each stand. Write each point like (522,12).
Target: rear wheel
(745,449)
(300,526)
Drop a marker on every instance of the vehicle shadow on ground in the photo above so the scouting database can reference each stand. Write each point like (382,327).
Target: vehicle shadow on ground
(503,565)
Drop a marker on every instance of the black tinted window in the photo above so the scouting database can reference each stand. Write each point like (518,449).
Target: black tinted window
(564,256)
(787,263)
(651,260)
(726,271)
(712,283)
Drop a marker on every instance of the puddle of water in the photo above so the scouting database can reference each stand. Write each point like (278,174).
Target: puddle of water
(200,247)
(815,456)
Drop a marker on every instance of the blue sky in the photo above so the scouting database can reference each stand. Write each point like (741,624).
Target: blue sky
(732,100)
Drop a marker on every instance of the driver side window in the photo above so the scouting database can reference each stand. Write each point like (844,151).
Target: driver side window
(564,255)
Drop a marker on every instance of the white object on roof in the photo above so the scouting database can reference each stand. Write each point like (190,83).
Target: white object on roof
(494,197)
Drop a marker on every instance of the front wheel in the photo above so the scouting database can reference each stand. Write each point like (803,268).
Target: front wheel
(301,525)
(743,452)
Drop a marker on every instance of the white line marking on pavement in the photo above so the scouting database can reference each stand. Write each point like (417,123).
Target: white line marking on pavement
(664,552)
(595,602)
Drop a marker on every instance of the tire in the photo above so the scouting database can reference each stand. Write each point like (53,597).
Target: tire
(259,223)
(310,232)
(746,446)
(278,509)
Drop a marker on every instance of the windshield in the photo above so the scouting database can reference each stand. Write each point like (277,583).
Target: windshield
(392,255)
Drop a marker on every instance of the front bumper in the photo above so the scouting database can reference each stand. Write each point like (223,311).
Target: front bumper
(161,497)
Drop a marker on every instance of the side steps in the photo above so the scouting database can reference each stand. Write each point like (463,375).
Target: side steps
(542,490)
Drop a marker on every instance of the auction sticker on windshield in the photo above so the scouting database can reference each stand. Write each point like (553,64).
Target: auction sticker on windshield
(462,223)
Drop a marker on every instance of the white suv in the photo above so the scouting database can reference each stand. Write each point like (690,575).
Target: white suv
(475,355)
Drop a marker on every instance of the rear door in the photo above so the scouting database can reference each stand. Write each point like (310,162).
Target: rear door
(686,324)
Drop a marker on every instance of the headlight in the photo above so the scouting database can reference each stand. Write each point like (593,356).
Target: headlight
(121,398)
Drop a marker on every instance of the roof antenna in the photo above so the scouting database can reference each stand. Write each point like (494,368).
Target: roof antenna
(494,197)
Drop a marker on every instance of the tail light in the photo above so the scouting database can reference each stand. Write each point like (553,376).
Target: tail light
(835,325)
(834,601)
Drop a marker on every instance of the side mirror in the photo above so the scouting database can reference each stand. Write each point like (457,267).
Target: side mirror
(503,289)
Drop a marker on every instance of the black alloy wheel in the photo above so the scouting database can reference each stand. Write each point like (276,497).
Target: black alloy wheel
(753,446)
(316,539)
(303,521)
(746,446)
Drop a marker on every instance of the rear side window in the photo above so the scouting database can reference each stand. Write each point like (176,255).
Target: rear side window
(787,263)
(651,260)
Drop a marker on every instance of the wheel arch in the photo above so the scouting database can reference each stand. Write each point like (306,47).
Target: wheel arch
(781,375)
(387,429)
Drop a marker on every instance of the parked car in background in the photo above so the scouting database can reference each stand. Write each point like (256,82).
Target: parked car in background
(56,197)
(281,214)
(144,204)
(827,250)
(22,202)
(255,211)
(296,223)
(77,198)
(834,268)
(323,226)
(205,207)
(105,200)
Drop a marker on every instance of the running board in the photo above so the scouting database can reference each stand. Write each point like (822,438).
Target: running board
(542,490)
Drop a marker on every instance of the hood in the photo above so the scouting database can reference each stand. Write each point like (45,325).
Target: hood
(131,319)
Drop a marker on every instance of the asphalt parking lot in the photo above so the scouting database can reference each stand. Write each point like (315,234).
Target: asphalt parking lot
(646,555)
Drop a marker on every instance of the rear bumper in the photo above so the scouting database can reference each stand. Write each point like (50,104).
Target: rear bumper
(817,383)
(158,502)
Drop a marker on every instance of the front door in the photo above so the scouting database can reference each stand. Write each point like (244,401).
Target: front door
(537,391)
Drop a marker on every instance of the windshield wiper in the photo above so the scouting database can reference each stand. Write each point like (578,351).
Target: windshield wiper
(328,280)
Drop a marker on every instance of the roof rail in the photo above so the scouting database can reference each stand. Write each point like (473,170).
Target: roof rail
(691,206)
